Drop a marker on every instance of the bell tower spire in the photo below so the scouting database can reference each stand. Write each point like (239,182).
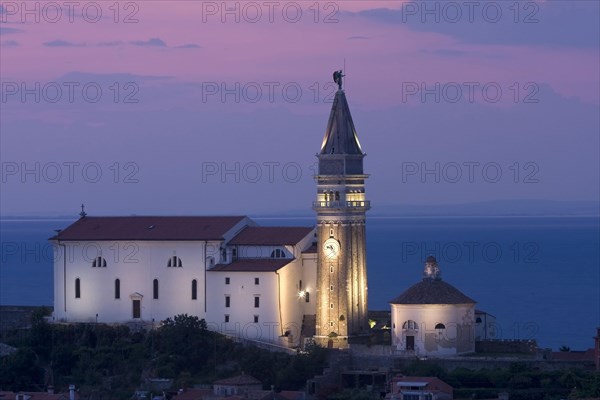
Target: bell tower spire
(341,209)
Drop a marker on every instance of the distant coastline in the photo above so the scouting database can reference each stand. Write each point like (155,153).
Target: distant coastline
(493,208)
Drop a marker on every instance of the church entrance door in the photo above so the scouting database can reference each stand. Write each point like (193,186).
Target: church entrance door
(410,343)
(137,309)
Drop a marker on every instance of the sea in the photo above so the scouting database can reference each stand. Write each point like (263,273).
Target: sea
(539,276)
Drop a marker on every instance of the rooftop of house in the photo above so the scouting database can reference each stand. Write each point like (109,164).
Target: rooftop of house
(149,228)
(270,235)
(427,382)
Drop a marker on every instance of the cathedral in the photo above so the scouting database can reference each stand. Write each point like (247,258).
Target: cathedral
(280,285)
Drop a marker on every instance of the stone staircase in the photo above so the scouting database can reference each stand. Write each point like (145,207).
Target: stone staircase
(309,328)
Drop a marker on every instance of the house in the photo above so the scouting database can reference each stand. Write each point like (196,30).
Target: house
(420,388)
(48,395)
(239,385)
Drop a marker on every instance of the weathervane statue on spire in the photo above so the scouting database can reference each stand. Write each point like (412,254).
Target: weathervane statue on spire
(337,78)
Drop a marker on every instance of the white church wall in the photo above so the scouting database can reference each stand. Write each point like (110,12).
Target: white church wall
(241,311)
(457,337)
(292,299)
(136,265)
(213,255)
(309,280)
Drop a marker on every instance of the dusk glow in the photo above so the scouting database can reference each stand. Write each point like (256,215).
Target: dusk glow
(190,86)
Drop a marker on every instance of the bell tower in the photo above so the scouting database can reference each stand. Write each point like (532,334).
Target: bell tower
(341,209)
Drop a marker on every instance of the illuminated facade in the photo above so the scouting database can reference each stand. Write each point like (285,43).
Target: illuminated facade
(271,284)
(433,318)
(341,240)
(244,280)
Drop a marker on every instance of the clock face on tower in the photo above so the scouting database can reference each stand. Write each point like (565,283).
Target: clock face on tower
(331,248)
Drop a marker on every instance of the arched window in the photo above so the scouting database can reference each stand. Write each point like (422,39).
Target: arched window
(440,326)
(478,320)
(337,196)
(77,288)
(174,262)
(99,262)
(277,253)
(194,290)
(117,289)
(155,289)
(410,325)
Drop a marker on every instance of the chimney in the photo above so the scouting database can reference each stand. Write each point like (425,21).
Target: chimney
(71,392)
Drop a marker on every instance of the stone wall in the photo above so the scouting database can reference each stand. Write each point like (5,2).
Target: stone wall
(506,346)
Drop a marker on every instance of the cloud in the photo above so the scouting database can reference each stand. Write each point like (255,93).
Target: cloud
(110,44)
(553,23)
(63,43)
(8,31)
(189,46)
(157,42)
(153,42)
(9,43)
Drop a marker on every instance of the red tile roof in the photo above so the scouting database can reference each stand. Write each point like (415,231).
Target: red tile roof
(254,265)
(433,383)
(431,291)
(270,235)
(148,228)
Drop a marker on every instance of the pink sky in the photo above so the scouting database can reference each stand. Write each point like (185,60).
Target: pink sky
(175,47)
